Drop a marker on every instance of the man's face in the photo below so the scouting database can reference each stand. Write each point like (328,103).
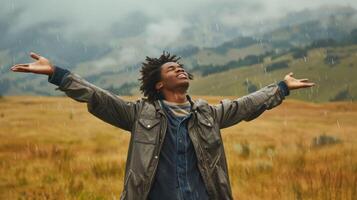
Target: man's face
(173,77)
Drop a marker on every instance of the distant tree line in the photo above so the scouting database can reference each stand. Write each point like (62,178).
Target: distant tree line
(332,59)
(277,65)
(329,42)
(343,95)
(187,51)
(250,86)
(237,43)
(296,52)
(249,60)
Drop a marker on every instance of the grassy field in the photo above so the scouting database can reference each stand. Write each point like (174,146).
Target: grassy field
(52,148)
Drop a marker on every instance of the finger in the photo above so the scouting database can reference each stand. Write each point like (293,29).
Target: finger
(20,69)
(309,84)
(19,65)
(304,80)
(35,56)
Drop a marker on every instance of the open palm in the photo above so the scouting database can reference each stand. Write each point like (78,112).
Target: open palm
(294,83)
(41,66)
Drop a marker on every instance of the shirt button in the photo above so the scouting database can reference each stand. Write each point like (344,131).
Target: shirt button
(156,157)
(180,141)
(209,124)
(148,126)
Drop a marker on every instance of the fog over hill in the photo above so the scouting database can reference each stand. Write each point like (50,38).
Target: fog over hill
(111,38)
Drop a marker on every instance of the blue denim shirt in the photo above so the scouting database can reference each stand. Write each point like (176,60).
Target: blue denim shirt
(177,176)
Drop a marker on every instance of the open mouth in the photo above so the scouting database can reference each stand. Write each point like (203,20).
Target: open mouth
(182,76)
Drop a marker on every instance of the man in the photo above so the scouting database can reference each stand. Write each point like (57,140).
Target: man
(175,150)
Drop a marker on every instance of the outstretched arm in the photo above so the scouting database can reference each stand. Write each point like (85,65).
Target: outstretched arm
(249,107)
(101,103)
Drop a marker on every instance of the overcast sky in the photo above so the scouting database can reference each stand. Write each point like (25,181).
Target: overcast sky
(99,17)
(150,24)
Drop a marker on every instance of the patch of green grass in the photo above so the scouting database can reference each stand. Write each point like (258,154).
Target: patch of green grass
(330,81)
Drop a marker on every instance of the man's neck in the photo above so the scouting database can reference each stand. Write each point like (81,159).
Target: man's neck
(175,96)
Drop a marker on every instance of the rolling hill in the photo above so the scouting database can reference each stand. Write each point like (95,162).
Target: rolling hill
(245,63)
(335,80)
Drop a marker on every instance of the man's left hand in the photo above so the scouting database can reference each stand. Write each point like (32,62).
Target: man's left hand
(294,83)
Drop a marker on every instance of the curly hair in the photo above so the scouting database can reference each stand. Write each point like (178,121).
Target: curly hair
(151,74)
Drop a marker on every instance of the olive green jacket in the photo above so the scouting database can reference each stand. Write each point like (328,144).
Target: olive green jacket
(147,123)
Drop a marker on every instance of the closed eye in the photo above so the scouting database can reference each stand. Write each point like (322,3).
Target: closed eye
(174,68)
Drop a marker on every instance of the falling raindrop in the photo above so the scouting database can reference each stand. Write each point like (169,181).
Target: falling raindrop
(338,124)
(12,5)
(217,27)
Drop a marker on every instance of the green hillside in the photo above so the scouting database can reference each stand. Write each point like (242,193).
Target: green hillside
(207,57)
(321,50)
(333,69)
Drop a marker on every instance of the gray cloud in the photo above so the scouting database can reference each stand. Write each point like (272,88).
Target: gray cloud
(138,28)
(95,18)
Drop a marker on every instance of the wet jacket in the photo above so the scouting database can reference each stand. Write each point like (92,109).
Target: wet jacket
(177,175)
(147,123)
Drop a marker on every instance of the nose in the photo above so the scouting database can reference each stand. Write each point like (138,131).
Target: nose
(179,69)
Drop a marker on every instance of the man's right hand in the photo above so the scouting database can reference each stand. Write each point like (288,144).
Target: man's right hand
(41,66)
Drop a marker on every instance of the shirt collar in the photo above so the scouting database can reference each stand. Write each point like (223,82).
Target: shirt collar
(158,104)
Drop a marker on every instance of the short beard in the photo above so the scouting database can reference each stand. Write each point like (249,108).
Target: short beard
(183,87)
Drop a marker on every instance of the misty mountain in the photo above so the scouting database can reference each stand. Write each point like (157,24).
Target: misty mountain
(116,62)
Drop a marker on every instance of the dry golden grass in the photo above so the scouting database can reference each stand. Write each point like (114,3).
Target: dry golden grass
(52,148)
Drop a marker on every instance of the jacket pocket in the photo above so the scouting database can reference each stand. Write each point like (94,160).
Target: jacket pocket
(147,131)
(209,133)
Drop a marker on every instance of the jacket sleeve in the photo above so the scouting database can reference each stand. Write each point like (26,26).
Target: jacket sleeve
(101,103)
(249,107)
